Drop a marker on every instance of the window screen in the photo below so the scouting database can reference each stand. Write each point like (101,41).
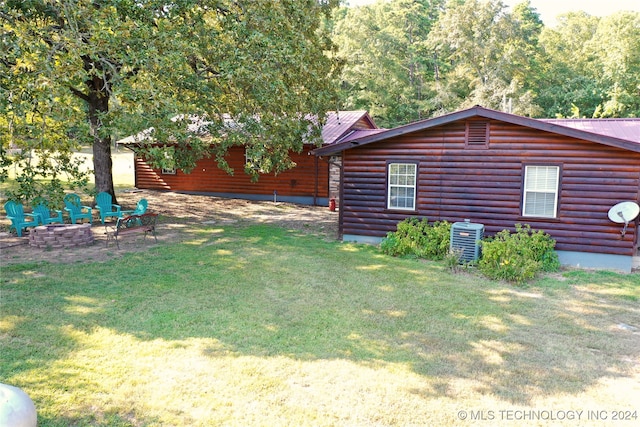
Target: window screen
(402,186)
(541,191)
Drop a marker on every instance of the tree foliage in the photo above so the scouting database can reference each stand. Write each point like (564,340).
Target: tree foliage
(594,66)
(616,45)
(388,68)
(88,71)
(485,54)
(409,60)
(201,76)
(567,87)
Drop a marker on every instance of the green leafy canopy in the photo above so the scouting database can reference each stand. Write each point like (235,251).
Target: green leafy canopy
(88,72)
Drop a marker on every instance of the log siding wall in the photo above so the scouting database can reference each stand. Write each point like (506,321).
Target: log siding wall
(301,181)
(485,185)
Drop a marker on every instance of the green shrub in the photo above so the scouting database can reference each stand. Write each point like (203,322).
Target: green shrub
(391,246)
(417,237)
(519,256)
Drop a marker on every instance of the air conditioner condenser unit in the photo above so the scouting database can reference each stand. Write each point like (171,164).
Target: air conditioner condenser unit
(465,240)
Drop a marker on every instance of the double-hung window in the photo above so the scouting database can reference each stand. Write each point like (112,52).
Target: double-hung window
(540,198)
(401,191)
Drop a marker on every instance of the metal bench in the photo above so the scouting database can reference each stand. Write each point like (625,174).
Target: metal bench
(132,224)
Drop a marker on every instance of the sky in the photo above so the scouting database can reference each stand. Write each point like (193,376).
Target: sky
(550,9)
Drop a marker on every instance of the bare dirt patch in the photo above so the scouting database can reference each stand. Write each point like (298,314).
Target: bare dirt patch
(179,215)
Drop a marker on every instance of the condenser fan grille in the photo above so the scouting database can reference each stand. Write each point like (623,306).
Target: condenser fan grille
(465,240)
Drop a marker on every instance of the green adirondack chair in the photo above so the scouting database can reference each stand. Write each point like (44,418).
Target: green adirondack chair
(105,206)
(141,207)
(19,219)
(46,215)
(76,210)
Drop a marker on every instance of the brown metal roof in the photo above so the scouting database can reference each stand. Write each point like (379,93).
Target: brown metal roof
(605,135)
(359,133)
(628,129)
(341,123)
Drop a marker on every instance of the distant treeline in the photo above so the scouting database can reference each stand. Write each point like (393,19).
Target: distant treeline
(411,59)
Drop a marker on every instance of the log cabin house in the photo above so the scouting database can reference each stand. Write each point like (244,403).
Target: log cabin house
(310,182)
(498,169)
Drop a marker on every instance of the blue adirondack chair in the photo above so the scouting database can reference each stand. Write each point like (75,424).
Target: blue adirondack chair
(141,207)
(46,215)
(105,206)
(19,219)
(75,208)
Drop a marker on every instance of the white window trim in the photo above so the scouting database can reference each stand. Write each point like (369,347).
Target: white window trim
(527,191)
(413,186)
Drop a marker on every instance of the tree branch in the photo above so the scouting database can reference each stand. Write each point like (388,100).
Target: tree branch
(79,94)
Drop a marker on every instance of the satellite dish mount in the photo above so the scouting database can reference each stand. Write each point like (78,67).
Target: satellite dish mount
(624,212)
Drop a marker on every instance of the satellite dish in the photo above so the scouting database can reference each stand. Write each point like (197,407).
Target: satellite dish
(623,213)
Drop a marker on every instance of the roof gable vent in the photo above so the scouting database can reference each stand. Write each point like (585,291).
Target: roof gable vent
(477,134)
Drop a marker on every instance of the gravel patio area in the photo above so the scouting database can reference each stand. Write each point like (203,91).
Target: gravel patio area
(178,213)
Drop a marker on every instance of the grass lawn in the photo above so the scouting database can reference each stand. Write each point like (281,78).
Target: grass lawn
(259,326)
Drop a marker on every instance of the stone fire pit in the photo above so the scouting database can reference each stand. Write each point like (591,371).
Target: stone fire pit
(61,236)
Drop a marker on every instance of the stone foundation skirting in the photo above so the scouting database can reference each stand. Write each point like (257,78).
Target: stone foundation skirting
(56,236)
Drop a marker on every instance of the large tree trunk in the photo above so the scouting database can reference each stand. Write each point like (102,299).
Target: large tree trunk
(98,104)
(102,166)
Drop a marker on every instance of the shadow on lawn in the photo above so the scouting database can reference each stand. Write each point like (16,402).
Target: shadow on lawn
(257,291)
